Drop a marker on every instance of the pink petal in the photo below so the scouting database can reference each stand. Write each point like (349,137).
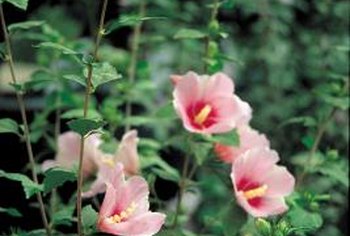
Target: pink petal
(254,164)
(187,89)
(109,202)
(267,206)
(175,78)
(218,85)
(249,139)
(146,224)
(136,191)
(279,181)
(127,153)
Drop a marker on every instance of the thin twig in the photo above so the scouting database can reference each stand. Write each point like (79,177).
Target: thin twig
(20,101)
(99,35)
(320,132)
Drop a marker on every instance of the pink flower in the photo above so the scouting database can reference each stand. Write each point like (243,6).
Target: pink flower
(249,138)
(259,184)
(126,155)
(125,208)
(68,150)
(206,104)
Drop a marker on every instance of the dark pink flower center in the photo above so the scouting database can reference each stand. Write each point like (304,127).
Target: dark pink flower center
(202,115)
(252,191)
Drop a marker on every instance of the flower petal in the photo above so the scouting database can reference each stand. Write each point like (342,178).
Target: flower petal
(127,153)
(146,224)
(279,181)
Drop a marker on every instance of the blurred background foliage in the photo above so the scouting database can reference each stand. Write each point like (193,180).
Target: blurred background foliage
(289,60)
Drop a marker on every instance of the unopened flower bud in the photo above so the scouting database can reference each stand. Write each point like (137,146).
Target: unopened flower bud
(264,227)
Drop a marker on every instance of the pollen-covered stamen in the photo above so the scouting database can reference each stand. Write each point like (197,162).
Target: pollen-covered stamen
(202,115)
(255,192)
(117,218)
(107,160)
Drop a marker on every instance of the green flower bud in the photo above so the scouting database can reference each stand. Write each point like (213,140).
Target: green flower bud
(264,227)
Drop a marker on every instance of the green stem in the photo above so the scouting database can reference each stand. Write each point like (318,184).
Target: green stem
(20,101)
(134,55)
(207,39)
(99,35)
(320,132)
(182,186)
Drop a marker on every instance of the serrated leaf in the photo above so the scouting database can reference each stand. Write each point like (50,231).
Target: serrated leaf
(300,218)
(11,211)
(9,126)
(102,73)
(64,216)
(30,188)
(89,216)
(22,4)
(127,20)
(76,78)
(85,126)
(189,34)
(24,25)
(56,177)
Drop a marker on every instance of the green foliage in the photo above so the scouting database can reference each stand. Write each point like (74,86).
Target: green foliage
(21,4)
(63,216)
(85,126)
(56,177)
(189,34)
(230,138)
(232,219)
(102,73)
(304,220)
(89,219)
(11,211)
(29,187)
(9,126)
(24,26)
(128,20)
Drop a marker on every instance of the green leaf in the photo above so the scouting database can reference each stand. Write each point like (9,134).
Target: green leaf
(56,177)
(24,26)
(85,126)
(89,216)
(166,112)
(58,47)
(102,73)
(76,78)
(303,219)
(307,121)
(338,102)
(127,20)
(30,188)
(79,113)
(232,219)
(338,171)
(11,211)
(189,34)
(201,151)
(229,138)
(9,126)
(64,216)
(22,4)
(160,167)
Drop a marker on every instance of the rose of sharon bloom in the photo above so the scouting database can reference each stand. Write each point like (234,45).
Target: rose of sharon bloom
(248,137)
(126,154)
(125,208)
(259,184)
(206,104)
(68,150)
